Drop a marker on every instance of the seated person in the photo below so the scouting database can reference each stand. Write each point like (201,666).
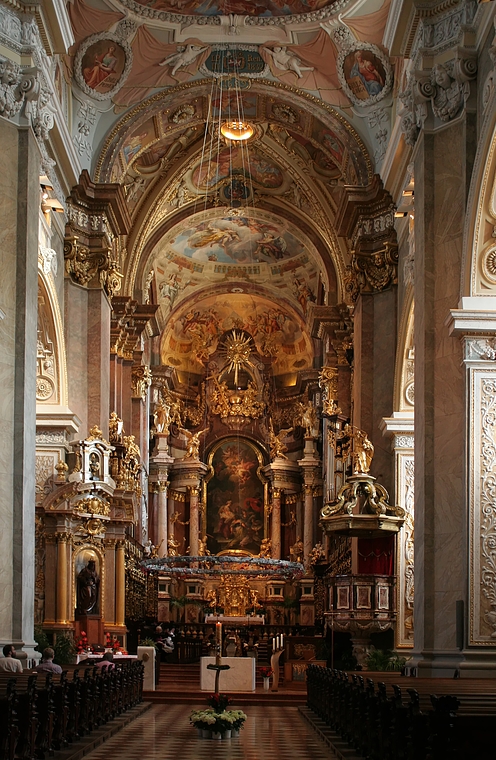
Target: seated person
(47,665)
(106,661)
(9,662)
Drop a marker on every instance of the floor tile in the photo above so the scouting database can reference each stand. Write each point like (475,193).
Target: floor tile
(164,731)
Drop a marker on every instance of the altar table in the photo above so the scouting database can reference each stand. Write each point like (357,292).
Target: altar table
(240,677)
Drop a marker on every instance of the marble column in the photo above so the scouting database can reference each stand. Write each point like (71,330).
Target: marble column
(374,365)
(98,361)
(440,170)
(308,541)
(120,583)
(275,535)
(162,518)
(311,467)
(19,212)
(193,520)
(50,590)
(87,325)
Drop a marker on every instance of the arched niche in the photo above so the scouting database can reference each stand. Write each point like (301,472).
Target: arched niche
(479,254)
(51,369)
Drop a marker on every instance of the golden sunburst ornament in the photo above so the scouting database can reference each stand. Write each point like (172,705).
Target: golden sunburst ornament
(236,348)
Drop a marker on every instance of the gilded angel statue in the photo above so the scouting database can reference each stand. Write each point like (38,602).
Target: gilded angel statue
(276,446)
(193,442)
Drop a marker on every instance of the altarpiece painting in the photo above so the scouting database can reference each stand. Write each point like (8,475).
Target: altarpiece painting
(235,498)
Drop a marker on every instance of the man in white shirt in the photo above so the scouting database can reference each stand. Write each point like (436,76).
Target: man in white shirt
(9,662)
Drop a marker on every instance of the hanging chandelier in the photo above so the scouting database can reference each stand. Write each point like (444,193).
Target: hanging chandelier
(237,130)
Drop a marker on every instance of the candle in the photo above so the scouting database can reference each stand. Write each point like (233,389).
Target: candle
(278,643)
(282,640)
(273,644)
(218,639)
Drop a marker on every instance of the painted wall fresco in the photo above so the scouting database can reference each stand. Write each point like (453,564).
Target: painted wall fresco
(241,7)
(364,73)
(238,162)
(235,499)
(235,239)
(192,334)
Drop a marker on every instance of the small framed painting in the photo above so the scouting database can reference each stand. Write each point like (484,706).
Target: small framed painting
(102,64)
(365,73)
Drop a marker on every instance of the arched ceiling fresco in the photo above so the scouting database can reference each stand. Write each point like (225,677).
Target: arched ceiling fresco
(194,330)
(265,8)
(222,235)
(247,247)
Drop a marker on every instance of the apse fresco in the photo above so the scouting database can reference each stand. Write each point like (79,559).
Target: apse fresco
(193,333)
(240,7)
(235,239)
(235,499)
(237,162)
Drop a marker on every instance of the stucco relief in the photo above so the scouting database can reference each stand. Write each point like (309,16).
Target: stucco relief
(488,507)
(405,465)
(482,496)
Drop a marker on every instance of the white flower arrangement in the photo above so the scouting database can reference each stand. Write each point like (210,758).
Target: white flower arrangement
(217,722)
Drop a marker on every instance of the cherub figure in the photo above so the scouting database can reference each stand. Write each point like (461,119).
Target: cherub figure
(308,418)
(286,61)
(162,418)
(115,428)
(316,555)
(173,547)
(185,55)
(296,551)
(266,548)
(202,547)
(193,445)
(276,446)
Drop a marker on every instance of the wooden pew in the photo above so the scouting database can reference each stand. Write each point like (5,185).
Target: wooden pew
(42,712)
(437,719)
(9,730)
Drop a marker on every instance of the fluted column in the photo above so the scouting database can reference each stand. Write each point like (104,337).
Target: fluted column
(193,520)
(120,583)
(62,591)
(276,523)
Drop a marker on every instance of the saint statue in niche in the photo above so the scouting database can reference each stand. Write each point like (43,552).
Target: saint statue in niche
(88,588)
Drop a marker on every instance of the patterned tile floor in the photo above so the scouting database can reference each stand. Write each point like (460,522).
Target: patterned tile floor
(164,732)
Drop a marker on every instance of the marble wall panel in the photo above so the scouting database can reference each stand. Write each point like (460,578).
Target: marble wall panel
(440,504)
(8,242)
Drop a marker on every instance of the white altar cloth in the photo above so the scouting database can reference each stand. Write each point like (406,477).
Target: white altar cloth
(236,619)
(239,677)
